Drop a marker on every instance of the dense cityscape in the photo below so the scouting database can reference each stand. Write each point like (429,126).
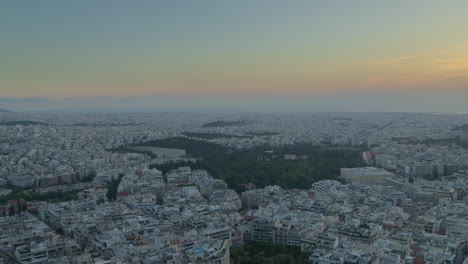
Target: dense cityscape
(327,188)
(234,132)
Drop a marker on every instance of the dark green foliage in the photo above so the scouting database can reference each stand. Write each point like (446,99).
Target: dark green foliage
(211,135)
(34,212)
(23,207)
(112,187)
(225,123)
(89,177)
(254,165)
(266,133)
(23,123)
(105,124)
(366,226)
(11,211)
(52,197)
(59,231)
(258,253)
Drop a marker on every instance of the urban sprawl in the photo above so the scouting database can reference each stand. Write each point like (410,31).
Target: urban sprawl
(84,188)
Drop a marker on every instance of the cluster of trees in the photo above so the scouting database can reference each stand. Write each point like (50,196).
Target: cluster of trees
(105,124)
(264,133)
(112,187)
(254,165)
(220,135)
(55,197)
(51,197)
(211,135)
(262,168)
(225,123)
(20,207)
(89,177)
(267,253)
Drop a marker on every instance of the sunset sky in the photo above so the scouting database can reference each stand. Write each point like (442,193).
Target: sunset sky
(360,55)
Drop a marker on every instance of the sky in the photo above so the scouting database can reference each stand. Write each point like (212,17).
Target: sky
(244,55)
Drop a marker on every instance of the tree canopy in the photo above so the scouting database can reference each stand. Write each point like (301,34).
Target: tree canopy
(267,253)
(265,165)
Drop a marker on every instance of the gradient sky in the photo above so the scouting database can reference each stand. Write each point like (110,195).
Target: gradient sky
(351,53)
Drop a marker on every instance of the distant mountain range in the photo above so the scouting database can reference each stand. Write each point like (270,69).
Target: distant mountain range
(4,111)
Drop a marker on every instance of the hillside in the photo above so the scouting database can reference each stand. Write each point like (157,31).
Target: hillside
(23,123)
(225,123)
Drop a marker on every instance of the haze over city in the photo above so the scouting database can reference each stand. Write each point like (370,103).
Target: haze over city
(234,56)
(234,132)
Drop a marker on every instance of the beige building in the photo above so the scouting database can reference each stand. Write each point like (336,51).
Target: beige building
(366,175)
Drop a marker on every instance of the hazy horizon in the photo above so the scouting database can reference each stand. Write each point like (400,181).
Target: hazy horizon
(241,103)
(240,56)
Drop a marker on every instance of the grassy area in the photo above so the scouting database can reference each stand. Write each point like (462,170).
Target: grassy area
(266,253)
